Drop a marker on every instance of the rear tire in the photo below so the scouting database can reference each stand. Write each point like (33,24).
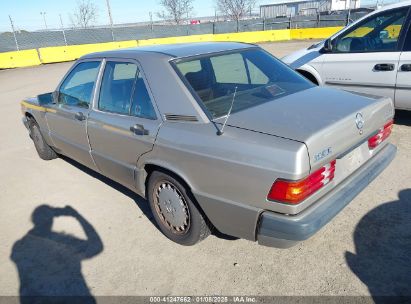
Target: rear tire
(175,210)
(43,149)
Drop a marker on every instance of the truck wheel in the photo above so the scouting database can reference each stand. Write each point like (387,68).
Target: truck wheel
(175,210)
(43,149)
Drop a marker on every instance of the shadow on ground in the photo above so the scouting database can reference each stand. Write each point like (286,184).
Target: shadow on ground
(139,201)
(383,249)
(49,263)
(402,118)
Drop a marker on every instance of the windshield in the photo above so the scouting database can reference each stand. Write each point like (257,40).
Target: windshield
(255,76)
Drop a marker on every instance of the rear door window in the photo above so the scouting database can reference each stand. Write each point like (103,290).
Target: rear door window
(142,105)
(117,87)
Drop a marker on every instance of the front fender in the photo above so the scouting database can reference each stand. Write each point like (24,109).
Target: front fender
(311,70)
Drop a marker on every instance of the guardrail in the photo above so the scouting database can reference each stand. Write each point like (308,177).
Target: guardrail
(55,54)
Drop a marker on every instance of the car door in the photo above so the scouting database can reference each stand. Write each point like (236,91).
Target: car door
(365,57)
(123,123)
(68,118)
(403,88)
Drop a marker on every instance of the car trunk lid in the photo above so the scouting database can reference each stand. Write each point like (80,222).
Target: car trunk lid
(328,121)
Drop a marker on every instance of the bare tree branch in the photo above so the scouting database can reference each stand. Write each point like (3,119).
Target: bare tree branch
(235,9)
(85,13)
(175,10)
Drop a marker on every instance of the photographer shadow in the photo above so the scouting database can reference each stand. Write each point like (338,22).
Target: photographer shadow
(383,245)
(49,263)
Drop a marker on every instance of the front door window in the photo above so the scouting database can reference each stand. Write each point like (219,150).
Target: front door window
(77,88)
(379,33)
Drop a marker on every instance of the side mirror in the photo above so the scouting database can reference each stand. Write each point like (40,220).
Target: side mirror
(55,97)
(328,46)
(44,99)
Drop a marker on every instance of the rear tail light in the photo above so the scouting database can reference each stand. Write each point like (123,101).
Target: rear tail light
(382,135)
(294,192)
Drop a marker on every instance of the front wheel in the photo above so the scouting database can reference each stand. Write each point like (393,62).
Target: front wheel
(175,210)
(43,149)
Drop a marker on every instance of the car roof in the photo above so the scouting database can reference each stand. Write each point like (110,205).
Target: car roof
(178,50)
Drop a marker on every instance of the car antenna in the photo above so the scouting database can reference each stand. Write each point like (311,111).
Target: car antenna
(221,131)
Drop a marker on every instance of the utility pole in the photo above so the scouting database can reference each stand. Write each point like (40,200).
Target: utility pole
(151,20)
(62,28)
(14,33)
(111,18)
(44,18)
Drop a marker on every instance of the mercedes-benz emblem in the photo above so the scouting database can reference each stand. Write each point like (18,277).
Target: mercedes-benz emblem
(359,121)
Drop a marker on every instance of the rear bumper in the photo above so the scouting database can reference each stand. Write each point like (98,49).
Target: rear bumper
(277,230)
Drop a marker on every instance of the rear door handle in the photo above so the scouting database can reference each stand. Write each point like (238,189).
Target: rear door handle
(80,116)
(406,68)
(139,130)
(384,67)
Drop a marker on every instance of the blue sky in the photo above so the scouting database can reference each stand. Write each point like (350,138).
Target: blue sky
(26,13)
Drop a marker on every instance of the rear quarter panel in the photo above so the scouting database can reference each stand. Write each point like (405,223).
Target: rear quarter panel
(238,166)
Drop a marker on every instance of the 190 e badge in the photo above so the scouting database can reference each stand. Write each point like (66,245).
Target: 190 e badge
(322,154)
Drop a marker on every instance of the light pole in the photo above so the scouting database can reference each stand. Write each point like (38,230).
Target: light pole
(14,33)
(111,18)
(151,20)
(44,18)
(62,28)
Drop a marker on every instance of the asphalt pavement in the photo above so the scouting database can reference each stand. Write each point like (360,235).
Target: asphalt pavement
(105,242)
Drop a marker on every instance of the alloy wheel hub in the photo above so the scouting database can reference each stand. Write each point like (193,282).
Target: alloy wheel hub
(173,209)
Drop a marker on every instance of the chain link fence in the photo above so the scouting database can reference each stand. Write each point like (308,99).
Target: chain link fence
(32,40)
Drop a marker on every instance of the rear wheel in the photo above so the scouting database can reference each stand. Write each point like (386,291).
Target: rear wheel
(175,210)
(43,149)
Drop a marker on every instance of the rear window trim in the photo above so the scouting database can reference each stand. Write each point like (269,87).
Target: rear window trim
(173,62)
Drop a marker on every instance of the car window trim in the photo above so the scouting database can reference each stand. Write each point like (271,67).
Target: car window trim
(364,21)
(140,72)
(78,62)
(173,62)
(407,32)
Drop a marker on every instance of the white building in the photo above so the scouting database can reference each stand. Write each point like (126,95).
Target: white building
(305,7)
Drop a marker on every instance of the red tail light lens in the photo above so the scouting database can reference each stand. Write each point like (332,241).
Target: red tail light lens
(382,135)
(294,192)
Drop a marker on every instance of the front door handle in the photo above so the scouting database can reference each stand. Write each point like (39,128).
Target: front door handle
(80,116)
(384,67)
(406,68)
(139,130)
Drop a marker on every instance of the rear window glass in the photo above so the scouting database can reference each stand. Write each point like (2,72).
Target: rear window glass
(253,75)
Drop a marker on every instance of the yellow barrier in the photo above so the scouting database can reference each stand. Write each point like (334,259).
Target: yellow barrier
(177,39)
(248,37)
(254,37)
(73,52)
(314,33)
(19,59)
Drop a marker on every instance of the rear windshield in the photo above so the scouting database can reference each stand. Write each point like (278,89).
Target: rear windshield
(253,75)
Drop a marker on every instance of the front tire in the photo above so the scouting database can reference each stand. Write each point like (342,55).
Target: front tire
(43,149)
(175,210)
